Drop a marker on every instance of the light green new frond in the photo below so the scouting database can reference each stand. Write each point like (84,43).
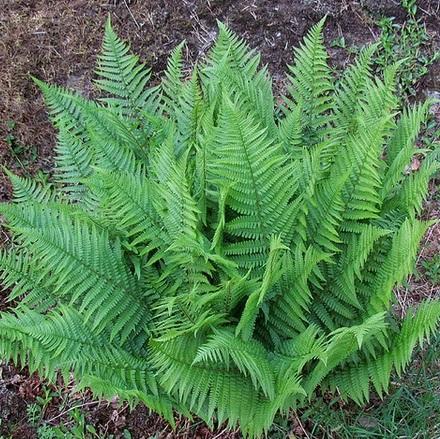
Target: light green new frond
(172,81)
(233,67)
(290,132)
(311,83)
(230,293)
(259,184)
(342,343)
(407,130)
(174,202)
(397,265)
(378,100)
(289,306)
(188,113)
(177,315)
(249,357)
(417,327)
(122,75)
(351,87)
(310,173)
(305,347)
(254,94)
(230,52)
(203,146)
(353,380)
(401,146)
(272,272)
(413,191)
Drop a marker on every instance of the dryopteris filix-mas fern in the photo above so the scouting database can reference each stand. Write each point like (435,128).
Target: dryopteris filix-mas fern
(204,251)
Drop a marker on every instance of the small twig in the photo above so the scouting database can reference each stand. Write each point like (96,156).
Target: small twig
(217,436)
(300,425)
(73,408)
(131,14)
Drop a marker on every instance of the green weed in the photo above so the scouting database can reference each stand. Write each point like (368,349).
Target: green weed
(409,45)
(23,154)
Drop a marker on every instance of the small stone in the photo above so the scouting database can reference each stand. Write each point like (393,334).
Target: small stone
(368,422)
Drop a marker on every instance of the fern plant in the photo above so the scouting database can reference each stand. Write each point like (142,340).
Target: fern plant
(206,251)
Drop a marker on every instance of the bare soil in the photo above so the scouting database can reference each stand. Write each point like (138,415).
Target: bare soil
(58,41)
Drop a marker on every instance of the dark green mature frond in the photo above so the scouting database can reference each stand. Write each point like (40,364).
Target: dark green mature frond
(26,189)
(65,107)
(203,253)
(325,214)
(126,201)
(73,162)
(62,339)
(87,269)
(18,271)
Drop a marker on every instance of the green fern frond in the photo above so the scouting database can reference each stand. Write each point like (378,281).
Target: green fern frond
(65,107)
(249,357)
(26,189)
(351,87)
(73,162)
(172,82)
(311,84)
(122,75)
(397,264)
(258,191)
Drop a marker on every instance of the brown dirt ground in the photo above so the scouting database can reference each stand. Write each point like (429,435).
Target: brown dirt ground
(58,40)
